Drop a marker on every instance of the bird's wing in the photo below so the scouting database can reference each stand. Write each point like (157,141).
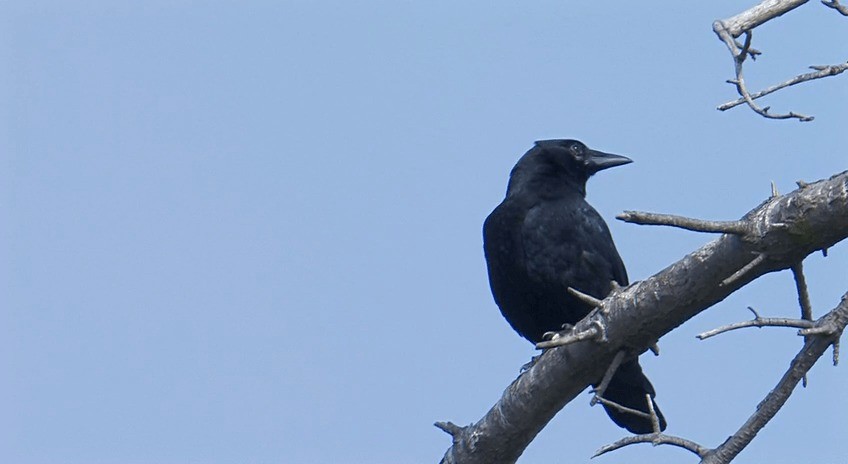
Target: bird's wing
(503,247)
(569,245)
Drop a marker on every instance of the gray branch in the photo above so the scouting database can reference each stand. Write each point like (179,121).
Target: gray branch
(759,14)
(832,325)
(697,225)
(655,439)
(744,23)
(758,321)
(842,9)
(820,72)
(785,229)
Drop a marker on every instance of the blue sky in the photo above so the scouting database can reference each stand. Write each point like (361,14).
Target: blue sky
(251,231)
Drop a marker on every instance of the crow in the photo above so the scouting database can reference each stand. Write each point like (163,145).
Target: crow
(543,238)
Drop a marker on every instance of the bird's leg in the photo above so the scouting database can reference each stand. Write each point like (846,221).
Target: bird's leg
(602,387)
(595,331)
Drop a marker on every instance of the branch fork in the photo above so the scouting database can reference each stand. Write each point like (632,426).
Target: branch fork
(744,23)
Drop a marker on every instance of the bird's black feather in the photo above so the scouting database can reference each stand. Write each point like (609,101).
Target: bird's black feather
(543,238)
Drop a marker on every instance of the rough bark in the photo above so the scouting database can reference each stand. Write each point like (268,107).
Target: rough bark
(778,234)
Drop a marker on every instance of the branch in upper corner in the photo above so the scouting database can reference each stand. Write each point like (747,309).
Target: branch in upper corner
(757,321)
(758,14)
(724,33)
(821,71)
(697,225)
(801,364)
(842,9)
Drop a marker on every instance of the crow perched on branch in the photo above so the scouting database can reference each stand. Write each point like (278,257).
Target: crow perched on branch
(544,238)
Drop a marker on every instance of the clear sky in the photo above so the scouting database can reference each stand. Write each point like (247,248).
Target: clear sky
(250,232)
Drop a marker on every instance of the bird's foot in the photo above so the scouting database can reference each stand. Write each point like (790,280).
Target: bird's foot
(566,329)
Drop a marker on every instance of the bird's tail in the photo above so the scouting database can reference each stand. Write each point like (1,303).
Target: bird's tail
(628,388)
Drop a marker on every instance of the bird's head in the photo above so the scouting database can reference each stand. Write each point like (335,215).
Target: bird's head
(552,166)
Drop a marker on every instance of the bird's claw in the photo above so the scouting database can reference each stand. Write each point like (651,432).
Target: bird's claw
(566,329)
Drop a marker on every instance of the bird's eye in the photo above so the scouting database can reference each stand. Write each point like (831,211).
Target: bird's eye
(577,150)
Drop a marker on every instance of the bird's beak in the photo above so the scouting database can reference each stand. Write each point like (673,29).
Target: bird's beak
(598,161)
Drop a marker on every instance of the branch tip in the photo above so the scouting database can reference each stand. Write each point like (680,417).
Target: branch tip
(588,299)
(450,428)
(682,222)
(744,270)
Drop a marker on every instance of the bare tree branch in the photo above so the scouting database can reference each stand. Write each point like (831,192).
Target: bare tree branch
(821,71)
(757,321)
(602,387)
(655,439)
(786,228)
(834,322)
(803,294)
(741,88)
(588,299)
(842,9)
(744,23)
(803,297)
(697,225)
(759,14)
(759,259)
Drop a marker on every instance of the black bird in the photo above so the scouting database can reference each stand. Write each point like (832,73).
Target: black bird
(543,238)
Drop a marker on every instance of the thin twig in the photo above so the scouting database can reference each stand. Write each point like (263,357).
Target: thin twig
(738,59)
(842,9)
(450,428)
(757,322)
(602,387)
(588,299)
(822,71)
(655,439)
(697,225)
(803,294)
(745,269)
(621,408)
(803,299)
(654,349)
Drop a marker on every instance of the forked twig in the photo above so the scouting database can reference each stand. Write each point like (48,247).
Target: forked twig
(820,72)
(739,56)
(656,439)
(757,321)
